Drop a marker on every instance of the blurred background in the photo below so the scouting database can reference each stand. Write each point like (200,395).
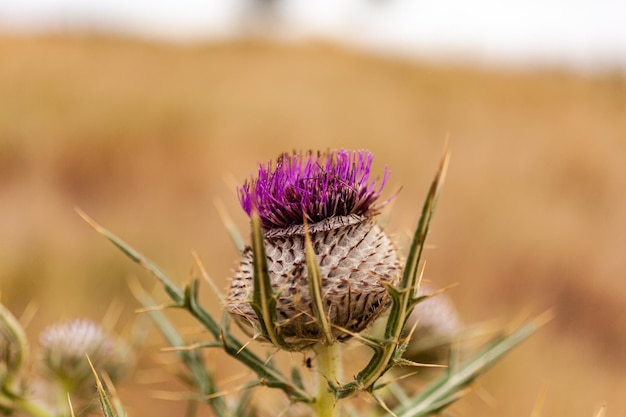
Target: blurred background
(144,114)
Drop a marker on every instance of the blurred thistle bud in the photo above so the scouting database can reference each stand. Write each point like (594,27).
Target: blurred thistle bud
(63,350)
(436,325)
(13,346)
(329,196)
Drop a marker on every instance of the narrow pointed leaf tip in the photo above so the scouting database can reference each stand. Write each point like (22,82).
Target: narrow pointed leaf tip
(105,403)
(315,288)
(263,299)
(314,186)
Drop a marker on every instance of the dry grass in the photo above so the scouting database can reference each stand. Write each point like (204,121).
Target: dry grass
(144,136)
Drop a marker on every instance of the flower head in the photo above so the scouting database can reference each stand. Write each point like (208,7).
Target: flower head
(434,324)
(333,194)
(64,346)
(312,186)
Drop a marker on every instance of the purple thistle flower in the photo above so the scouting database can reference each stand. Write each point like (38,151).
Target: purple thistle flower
(314,186)
(334,193)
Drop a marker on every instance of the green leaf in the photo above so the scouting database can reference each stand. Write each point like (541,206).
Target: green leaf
(403,296)
(105,404)
(189,299)
(172,289)
(315,287)
(263,299)
(203,378)
(451,386)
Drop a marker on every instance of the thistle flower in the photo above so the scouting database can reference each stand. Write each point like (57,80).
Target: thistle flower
(435,324)
(317,214)
(63,350)
(330,196)
(314,187)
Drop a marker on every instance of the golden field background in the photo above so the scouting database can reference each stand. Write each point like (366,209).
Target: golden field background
(145,137)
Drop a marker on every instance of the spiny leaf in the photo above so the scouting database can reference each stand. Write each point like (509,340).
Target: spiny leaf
(402,297)
(105,404)
(202,377)
(449,387)
(172,289)
(263,300)
(315,287)
(272,376)
(232,346)
(115,399)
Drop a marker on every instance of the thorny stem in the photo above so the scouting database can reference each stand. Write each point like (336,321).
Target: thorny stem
(188,299)
(329,368)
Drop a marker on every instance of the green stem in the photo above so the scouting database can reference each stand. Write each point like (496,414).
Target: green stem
(31,408)
(9,400)
(62,404)
(329,368)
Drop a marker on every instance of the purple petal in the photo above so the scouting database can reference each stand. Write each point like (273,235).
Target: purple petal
(314,186)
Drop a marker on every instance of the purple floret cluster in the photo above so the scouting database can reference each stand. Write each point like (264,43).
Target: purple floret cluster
(315,186)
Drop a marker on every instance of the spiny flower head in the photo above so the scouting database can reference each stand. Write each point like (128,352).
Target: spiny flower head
(434,324)
(331,192)
(312,186)
(64,346)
